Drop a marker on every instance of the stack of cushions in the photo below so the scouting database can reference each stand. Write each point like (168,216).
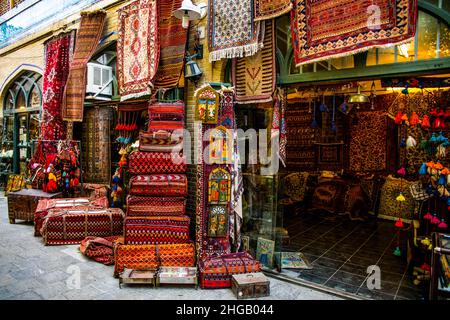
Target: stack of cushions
(156,228)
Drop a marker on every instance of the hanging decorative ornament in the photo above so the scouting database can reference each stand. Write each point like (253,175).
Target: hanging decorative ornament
(400,197)
(434,219)
(405,91)
(411,142)
(442,180)
(405,119)
(399,223)
(414,120)
(403,143)
(314,124)
(428,216)
(323,107)
(423,169)
(333,120)
(397,252)
(425,124)
(398,118)
(401,172)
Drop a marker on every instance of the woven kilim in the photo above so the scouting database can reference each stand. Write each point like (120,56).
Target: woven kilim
(137,48)
(58,53)
(161,141)
(88,35)
(156,162)
(149,256)
(173,39)
(368,144)
(157,230)
(163,111)
(254,77)
(159,185)
(99,249)
(155,206)
(216,272)
(323,29)
(268,9)
(71,226)
(231,30)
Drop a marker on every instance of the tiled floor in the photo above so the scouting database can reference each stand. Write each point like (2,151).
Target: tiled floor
(340,251)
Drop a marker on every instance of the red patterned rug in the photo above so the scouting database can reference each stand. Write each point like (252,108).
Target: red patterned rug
(323,29)
(88,35)
(173,45)
(137,48)
(58,54)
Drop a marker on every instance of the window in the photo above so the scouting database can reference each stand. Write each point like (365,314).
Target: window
(22,106)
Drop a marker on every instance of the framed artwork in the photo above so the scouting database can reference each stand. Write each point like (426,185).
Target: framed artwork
(264,252)
(220,146)
(218,221)
(219,186)
(292,260)
(207,105)
(246,243)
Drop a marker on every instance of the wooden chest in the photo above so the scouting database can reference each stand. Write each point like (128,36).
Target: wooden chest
(130,276)
(22,204)
(250,285)
(177,276)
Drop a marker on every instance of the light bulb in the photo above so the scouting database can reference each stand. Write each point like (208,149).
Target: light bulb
(185,21)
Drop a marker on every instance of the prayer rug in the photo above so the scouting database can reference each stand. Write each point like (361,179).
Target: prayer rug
(231,30)
(323,29)
(88,36)
(254,76)
(268,9)
(58,54)
(173,39)
(137,48)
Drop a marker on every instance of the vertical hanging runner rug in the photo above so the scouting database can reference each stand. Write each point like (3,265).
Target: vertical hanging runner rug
(254,77)
(58,54)
(88,36)
(323,29)
(231,30)
(268,9)
(137,48)
(173,39)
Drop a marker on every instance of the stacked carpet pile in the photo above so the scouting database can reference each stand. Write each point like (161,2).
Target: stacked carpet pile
(156,228)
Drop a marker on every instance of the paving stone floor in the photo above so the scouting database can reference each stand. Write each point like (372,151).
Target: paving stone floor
(30,270)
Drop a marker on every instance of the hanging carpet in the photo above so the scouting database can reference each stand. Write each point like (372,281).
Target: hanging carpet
(268,9)
(231,30)
(323,29)
(173,39)
(58,54)
(137,48)
(254,76)
(88,36)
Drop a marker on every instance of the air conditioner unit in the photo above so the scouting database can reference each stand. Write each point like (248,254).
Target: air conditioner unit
(99,82)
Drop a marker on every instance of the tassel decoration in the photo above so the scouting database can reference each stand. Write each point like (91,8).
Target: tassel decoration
(401,172)
(398,118)
(403,143)
(411,142)
(425,122)
(399,224)
(400,198)
(314,124)
(415,120)
(423,169)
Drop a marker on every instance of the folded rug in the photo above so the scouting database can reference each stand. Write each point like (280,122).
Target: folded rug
(138,206)
(99,249)
(137,48)
(88,35)
(156,162)
(323,29)
(159,185)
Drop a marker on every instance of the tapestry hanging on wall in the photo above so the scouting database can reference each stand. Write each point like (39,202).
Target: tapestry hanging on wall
(231,30)
(323,29)
(137,48)
(58,54)
(173,45)
(88,36)
(207,105)
(254,76)
(268,9)
(368,144)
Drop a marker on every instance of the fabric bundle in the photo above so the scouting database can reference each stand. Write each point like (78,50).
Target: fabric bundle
(71,226)
(157,230)
(88,36)
(254,76)
(173,39)
(154,162)
(58,55)
(137,48)
(269,9)
(323,29)
(141,257)
(99,249)
(232,32)
(159,185)
(155,206)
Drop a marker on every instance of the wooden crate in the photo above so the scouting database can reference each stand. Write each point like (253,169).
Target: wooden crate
(22,204)
(130,276)
(177,276)
(250,285)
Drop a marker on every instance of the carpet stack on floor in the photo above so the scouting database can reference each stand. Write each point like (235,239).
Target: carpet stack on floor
(156,228)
